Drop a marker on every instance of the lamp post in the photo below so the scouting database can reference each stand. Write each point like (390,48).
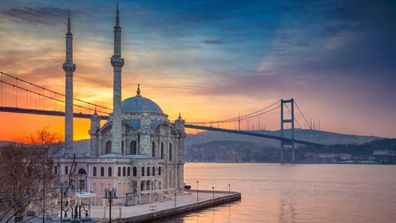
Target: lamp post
(61,185)
(197,191)
(213,191)
(175,198)
(110,194)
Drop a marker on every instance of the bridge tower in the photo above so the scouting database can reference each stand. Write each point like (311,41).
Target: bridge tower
(69,67)
(284,121)
(117,62)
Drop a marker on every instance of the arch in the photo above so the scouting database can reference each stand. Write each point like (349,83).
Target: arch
(134,171)
(124,171)
(82,171)
(148,171)
(170,151)
(94,171)
(153,149)
(159,171)
(173,129)
(153,170)
(110,172)
(119,171)
(129,171)
(102,171)
(66,170)
(162,150)
(133,147)
(108,147)
(143,171)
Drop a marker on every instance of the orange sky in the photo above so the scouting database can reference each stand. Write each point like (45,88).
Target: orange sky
(205,67)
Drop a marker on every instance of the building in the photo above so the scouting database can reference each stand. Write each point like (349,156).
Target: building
(138,151)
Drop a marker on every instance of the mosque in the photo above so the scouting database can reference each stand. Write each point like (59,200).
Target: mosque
(138,151)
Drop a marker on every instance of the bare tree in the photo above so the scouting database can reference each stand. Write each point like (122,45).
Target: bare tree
(26,171)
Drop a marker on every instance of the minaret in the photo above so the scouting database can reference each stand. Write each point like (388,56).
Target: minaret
(69,67)
(117,62)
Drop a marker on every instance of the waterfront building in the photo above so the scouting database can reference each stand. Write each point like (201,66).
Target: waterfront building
(138,151)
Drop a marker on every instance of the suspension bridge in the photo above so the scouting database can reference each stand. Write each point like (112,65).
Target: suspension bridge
(21,96)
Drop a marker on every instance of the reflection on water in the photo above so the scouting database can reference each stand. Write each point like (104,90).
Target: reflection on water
(296,193)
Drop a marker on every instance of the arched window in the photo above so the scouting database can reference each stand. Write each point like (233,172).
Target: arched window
(102,171)
(129,171)
(153,149)
(94,171)
(110,172)
(108,147)
(143,171)
(153,170)
(124,171)
(162,150)
(134,170)
(66,170)
(170,151)
(148,171)
(159,171)
(119,171)
(133,147)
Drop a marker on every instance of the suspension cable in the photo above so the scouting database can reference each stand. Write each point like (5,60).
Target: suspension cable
(302,114)
(55,92)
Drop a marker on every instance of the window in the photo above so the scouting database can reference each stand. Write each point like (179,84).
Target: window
(134,170)
(133,147)
(143,171)
(94,171)
(124,171)
(129,171)
(102,171)
(56,170)
(108,147)
(159,171)
(153,171)
(142,186)
(170,151)
(110,171)
(119,171)
(162,150)
(153,149)
(148,171)
(66,170)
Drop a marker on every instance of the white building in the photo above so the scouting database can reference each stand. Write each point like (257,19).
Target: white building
(138,150)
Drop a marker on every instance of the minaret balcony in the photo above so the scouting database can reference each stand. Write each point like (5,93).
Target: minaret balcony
(117,61)
(69,67)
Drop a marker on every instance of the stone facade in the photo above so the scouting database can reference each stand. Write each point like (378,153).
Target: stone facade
(138,151)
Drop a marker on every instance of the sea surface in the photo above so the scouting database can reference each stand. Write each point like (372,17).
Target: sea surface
(309,193)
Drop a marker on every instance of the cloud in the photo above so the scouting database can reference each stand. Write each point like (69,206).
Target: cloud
(214,41)
(42,15)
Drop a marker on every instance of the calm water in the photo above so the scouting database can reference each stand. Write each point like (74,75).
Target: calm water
(296,193)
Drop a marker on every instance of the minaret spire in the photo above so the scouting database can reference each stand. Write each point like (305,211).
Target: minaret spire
(68,22)
(69,67)
(117,62)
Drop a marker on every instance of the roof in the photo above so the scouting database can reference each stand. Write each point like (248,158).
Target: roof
(139,104)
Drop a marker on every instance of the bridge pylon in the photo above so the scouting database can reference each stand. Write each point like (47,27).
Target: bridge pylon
(284,121)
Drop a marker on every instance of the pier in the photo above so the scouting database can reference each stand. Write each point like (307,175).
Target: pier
(185,203)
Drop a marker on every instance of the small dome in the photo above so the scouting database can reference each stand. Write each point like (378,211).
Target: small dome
(139,104)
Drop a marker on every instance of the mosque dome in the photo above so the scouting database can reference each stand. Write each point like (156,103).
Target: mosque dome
(140,104)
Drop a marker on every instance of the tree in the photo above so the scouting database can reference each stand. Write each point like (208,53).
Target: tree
(26,171)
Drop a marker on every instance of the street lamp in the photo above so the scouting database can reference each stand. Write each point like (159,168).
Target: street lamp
(175,198)
(61,185)
(110,194)
(197,190)
(213,192)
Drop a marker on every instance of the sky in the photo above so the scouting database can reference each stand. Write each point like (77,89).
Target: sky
(211,59)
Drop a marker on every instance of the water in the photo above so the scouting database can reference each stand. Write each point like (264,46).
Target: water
(296,193)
